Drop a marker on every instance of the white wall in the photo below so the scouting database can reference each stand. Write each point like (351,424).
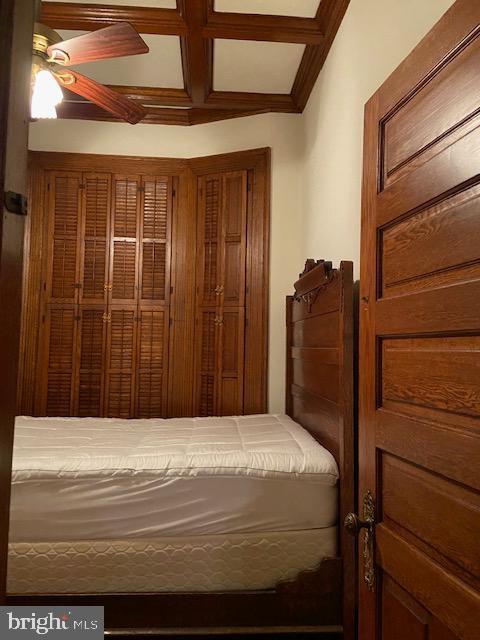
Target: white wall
(280,132)
(375,36)
(316,158)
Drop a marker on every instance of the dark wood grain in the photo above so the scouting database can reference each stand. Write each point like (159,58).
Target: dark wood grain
(101,95)
(88,17)
(114,41)
(419,343)
(320,381)
(238,26)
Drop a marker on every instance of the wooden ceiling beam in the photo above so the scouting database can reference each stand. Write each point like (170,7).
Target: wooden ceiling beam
(87,111)
(216,100)
(243,100)
(155,96)
(197,52)
(329,17)
(83,110)
(88,17)
(240,26)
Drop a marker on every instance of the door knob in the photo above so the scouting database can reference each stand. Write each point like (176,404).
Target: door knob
(353,524)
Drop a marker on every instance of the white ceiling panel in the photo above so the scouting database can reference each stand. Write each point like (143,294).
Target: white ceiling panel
(301,8)
(263,67)
(159,4)
(161,67)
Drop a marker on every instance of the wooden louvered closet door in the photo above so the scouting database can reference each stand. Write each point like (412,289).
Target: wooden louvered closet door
(107,295)
(154,297)
(221,285)
(154,286)
(92,294)
(60,329)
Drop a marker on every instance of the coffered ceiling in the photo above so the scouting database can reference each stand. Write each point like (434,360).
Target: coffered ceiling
(209,59)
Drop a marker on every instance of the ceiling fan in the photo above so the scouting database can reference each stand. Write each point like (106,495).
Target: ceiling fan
(52,56)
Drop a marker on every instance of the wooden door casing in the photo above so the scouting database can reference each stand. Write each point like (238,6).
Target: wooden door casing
(419,449)
(16,29)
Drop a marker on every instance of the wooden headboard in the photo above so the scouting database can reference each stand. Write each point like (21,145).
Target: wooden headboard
(320,376)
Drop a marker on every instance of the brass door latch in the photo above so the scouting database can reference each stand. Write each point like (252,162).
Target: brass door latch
(353,524)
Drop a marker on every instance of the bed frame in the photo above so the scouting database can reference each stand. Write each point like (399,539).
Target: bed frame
(320,396)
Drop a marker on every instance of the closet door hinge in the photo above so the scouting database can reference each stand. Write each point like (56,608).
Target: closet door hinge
(141,189)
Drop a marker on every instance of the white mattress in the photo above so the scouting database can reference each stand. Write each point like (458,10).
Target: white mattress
(197,563)
(98,478)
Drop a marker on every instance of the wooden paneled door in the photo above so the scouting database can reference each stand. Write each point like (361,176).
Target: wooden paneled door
(420,343)
(221,288)
(107,294)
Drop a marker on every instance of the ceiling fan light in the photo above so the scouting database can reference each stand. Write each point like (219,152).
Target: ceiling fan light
(46,95)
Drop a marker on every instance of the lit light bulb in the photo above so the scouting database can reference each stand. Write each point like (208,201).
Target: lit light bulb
(46,95)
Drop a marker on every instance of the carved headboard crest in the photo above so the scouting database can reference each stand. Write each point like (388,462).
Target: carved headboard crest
(317,274)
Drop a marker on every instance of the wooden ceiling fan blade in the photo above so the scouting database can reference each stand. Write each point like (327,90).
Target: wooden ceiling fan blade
(101,95)
(111,42)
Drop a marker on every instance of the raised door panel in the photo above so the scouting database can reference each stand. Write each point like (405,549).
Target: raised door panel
(123,282)
(151,380)
(90,365)
(403,617)
(64,223)
(58,377)
(95,235)
(120,362)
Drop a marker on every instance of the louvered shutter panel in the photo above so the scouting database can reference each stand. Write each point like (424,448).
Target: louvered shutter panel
(207,350)
(95,227)
(64,221)
(154,295)
(60,331)
(151,364)
(155,238)
(124,244)
(91,333)
(233,246)
(210,228)
(121,339)
(208,281)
